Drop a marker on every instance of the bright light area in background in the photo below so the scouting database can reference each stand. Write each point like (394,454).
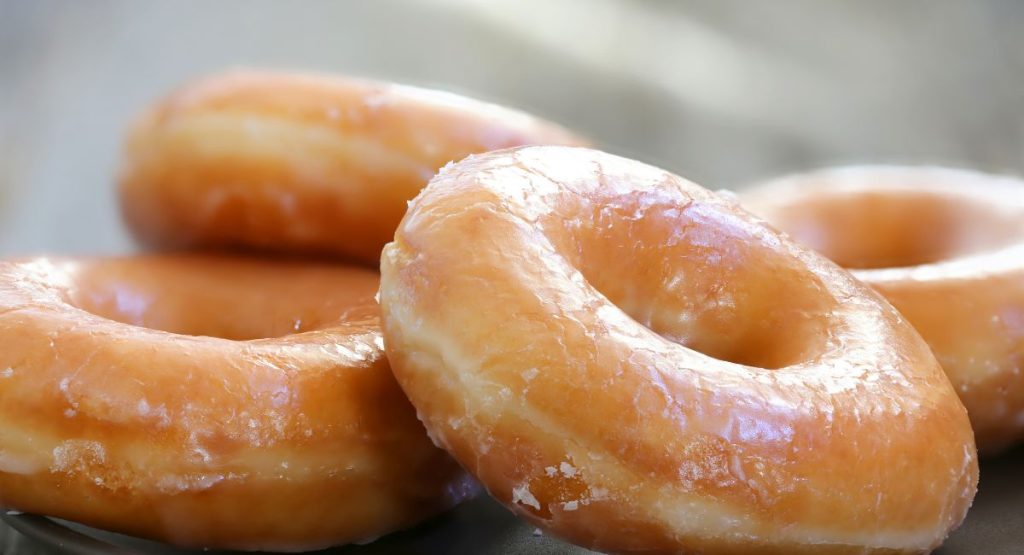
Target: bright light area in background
(699,65)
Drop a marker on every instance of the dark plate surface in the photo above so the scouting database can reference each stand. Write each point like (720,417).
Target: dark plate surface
(995,526)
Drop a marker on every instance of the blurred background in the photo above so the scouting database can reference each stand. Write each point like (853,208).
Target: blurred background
(721,92)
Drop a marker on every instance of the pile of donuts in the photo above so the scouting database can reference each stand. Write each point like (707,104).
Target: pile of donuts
(362,300)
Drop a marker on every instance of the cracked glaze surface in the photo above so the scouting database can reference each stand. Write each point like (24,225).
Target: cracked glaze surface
(946,248)
(255,409)
(634,363)
(300,162)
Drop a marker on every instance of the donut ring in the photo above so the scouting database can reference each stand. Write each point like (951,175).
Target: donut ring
(946,248)
(295,442)
(636,364)
(300,162)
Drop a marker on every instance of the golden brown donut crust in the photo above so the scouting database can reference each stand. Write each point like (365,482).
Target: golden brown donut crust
(291,435)
(946,248)
(578,364)
(300,162)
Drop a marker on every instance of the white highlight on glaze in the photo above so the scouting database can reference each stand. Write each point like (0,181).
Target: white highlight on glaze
(567,470)
(77,455)
(523,496)
(203,454)
(7,373)
(196,482)
(65,390)
(267,136)
(12,464)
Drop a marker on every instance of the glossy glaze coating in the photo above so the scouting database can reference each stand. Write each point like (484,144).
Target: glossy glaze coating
(634,363)
(946,248)
(300,162)
(286,432)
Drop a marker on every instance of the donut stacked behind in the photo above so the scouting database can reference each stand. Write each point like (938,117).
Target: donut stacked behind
(946,248)
(301,163)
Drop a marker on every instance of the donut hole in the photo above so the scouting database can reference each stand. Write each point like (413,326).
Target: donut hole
(230,298)
(705,279)
(895,228)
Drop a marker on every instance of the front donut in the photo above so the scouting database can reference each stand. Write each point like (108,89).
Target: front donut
(637,365)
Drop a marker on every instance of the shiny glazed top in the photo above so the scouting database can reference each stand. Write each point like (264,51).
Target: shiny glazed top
(635,363)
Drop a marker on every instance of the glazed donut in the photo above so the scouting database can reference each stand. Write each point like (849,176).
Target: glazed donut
(946,248)
(300,162)
(209,402)
(633,363)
